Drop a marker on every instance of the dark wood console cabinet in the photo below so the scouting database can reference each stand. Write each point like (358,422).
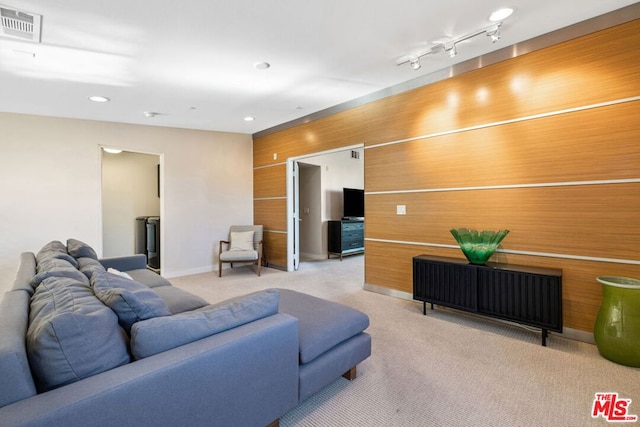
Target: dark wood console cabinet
(345,237)
(526,295)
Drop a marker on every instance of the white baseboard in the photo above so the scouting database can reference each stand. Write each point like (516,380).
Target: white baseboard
(191,271)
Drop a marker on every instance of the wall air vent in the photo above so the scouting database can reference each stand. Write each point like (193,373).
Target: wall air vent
(20,25)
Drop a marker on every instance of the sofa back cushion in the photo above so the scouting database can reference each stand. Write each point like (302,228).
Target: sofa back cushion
(88,265)
(79,249)
(15,375)
(131,301)
(55,249)
(54,267)
(164,333)
(71,334)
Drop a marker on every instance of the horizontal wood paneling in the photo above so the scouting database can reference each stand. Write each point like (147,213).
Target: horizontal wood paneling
(588,145)
(599,67)
(597,144)
(593,220)
(271,213)
(389,265)
(339,130)
(275,247)
(270,182)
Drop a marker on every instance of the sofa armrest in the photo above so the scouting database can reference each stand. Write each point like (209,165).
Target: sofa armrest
(244,376)
(125,263)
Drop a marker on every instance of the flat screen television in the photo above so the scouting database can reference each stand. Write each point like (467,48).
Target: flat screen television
(353,203)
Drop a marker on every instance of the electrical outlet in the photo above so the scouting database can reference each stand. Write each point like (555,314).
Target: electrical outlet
(275,156)
(401,209)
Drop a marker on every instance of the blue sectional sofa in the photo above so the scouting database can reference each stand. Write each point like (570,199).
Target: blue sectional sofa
(109,343)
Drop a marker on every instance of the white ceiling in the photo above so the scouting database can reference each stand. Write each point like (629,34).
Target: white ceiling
(193,61)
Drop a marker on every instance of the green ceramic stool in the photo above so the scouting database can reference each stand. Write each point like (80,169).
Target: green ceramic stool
(617,327)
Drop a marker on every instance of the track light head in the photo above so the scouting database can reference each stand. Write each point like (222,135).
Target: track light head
(415,63)
(494,33)
(450,48)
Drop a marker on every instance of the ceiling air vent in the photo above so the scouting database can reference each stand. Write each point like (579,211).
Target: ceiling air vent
(20,25)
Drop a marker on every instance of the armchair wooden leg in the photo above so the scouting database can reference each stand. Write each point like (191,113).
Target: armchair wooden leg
(274,423)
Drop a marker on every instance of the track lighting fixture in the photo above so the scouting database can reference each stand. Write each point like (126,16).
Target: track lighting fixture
(494,33)
(449,46)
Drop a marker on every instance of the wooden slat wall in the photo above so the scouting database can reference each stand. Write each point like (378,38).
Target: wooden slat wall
(270,182)
(546,144)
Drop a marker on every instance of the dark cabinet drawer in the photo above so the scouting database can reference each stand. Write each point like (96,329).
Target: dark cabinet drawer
(345,237)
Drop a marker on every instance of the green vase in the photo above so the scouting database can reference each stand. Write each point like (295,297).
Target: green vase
(617,327)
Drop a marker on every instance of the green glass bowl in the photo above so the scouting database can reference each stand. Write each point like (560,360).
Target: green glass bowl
(478,246)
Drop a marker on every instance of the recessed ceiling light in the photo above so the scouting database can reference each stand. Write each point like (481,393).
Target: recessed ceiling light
(501,14)
(249,119)
(261,65)
(99,99)
(150,114)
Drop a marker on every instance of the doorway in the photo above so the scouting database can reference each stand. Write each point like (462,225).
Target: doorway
(130,190)
(314,197)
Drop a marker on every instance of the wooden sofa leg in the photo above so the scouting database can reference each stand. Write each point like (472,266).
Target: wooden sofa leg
(274,423)
(351,374)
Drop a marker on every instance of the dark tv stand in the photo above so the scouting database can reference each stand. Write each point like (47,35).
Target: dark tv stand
(346,237)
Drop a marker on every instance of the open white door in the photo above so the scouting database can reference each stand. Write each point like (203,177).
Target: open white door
(293,215)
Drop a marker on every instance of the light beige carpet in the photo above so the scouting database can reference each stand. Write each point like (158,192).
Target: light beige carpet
(443,369)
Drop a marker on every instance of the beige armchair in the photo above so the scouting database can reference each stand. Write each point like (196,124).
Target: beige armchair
(243,247)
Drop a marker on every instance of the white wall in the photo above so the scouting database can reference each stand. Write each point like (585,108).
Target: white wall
(50,186)
(129,190)
(310,191)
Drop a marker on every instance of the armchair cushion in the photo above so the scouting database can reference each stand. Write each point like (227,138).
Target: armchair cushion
(163,333)
(241,241)
(239,256)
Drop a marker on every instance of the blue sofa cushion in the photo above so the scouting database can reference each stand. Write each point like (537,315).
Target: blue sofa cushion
(130,300)
(72,273)
(164,333)
(71,334)
(178,300)
(88,265)
(322,324)
(55,249)
(149,278)
(55,263)
(51,263)
(78,249)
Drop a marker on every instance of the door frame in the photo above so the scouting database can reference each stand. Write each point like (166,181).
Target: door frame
(293,202)
(161,160)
